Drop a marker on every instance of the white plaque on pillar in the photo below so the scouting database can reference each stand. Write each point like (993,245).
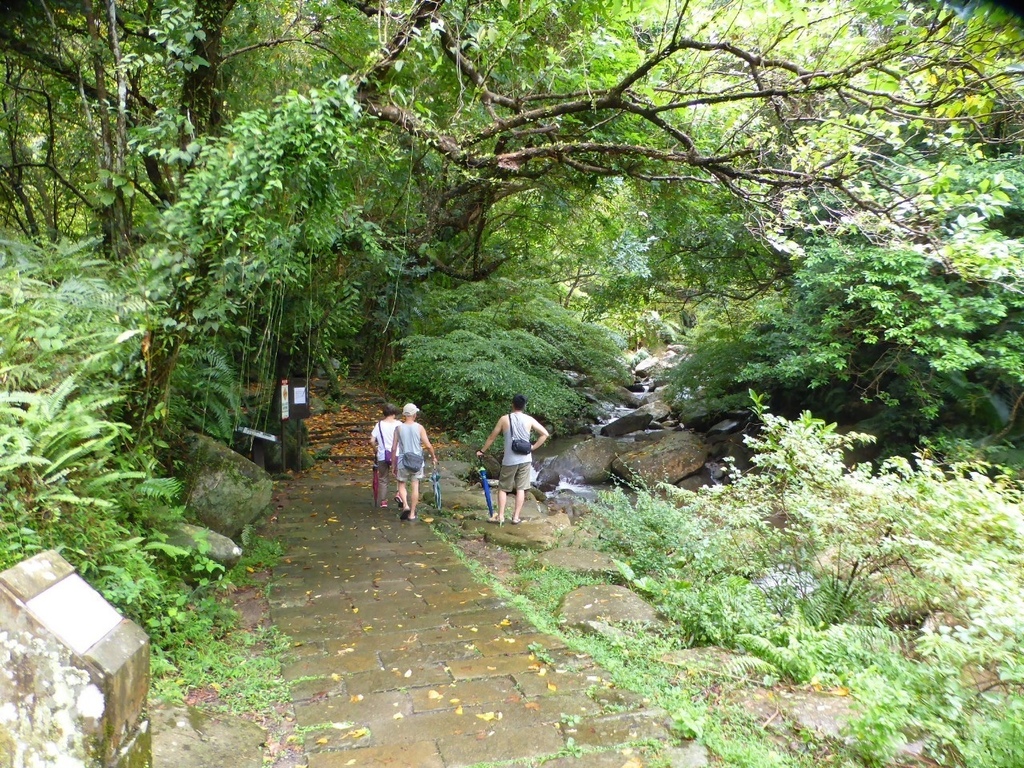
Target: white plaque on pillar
(75,612)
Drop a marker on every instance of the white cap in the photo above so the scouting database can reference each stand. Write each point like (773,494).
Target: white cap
(410,410)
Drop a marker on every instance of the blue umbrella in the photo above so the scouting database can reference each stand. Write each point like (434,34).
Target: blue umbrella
(487,492)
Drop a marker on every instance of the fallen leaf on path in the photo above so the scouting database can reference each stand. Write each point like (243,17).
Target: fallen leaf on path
(552,687)
(360,733)
(434,695)
(534,705)
(488,716)
(356,698)
(458,710)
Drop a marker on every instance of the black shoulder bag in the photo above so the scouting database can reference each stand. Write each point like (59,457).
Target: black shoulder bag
(520,446)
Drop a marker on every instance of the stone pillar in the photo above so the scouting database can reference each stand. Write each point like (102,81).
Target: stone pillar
(74,673)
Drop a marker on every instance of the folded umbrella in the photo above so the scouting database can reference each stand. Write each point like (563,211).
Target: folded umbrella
(487,492)
(435,480)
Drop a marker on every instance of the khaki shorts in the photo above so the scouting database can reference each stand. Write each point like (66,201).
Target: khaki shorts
(515,477)
(404,475)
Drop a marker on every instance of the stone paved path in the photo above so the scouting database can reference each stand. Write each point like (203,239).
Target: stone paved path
(401,658)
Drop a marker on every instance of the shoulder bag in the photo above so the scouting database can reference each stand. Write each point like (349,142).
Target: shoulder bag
(387,451)
(520,446)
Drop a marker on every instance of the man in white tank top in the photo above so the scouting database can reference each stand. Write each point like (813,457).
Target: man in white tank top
(515,465)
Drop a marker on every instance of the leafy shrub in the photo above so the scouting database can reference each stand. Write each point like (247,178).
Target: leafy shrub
(869,549)
(720,346)
(465,366)
(865,332)
(206,393)
(72,475)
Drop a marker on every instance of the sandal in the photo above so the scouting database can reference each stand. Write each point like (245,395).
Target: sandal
(516,522)
(404,515)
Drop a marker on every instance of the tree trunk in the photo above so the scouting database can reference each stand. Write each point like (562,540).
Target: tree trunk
(200,100)
(113,136)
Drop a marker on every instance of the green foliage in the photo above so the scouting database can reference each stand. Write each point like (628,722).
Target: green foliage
(920,339)
(61,315)
(997,739)
(206,393)
(826,593)
(243,667)
(723,343)
(487,344)
(73,476)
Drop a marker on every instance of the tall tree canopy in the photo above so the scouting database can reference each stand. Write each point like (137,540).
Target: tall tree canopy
(237,152)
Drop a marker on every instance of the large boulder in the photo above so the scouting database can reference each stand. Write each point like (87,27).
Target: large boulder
(657,407)
(226,491)
(537,534)
(218,548)
(631,422)
(657,367)
(677,455)
(471,499)
(634,399)
(646,366)
(594,459)
(588,461)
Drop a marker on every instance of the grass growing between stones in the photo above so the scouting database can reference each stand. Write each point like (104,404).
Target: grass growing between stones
(702,705)
(234,665)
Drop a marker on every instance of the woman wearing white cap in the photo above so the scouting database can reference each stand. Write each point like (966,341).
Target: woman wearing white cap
(409,442)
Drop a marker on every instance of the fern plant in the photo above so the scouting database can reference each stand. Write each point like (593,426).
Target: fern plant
(206,393)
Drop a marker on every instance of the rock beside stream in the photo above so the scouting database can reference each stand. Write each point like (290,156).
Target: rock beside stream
(677,455)
(588,461)
(657,408)
(631,422)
